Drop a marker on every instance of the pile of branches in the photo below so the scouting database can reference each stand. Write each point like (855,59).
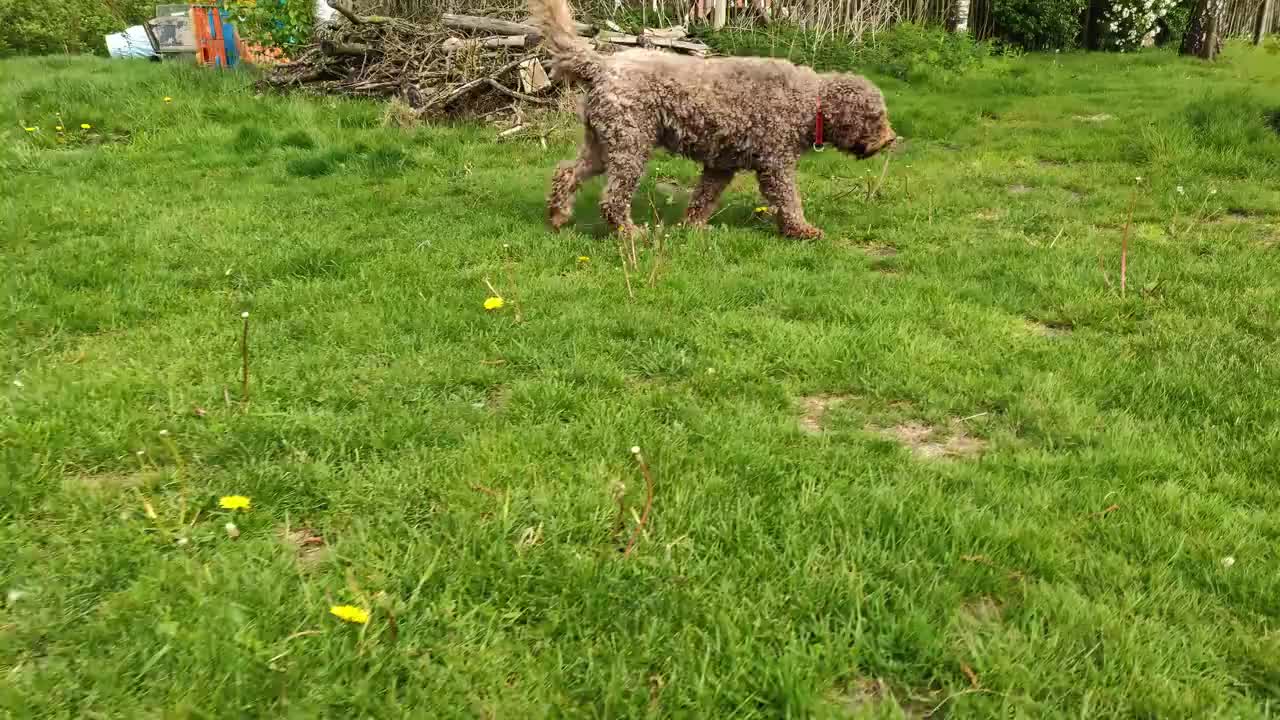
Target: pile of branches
(462,65)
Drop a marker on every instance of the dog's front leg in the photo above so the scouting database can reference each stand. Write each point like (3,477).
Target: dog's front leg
(778,183)
(706,196)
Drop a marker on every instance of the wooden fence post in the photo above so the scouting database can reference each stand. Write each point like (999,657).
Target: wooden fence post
(720,14)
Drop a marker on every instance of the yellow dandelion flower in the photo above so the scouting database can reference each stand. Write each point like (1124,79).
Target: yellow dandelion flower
(31,129)
(494,303)
(168,99)
(350,613)
(763,210)
(85,126)
(59,128)
(584,259)
(233,502)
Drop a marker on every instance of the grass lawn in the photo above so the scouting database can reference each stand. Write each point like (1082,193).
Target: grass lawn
(935,463)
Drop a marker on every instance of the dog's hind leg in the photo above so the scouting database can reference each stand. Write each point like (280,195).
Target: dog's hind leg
(625,166)
(569,177)
(706,196)
(779,187)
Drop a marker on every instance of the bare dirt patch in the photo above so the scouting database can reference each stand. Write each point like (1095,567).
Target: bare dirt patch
(498,397)
(308,545)
(108,482)
(813,409)
(880,250)
(1050,328)
(868,697)
(931,443)
(982,610)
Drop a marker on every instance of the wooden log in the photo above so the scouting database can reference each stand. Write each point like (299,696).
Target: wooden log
(474,23)
(676,32)
(478,24)
(499,41)
(617,38)
(340,48)
(581,28)
(684,46)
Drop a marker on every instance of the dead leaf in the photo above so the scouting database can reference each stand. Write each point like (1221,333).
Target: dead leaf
(973,676)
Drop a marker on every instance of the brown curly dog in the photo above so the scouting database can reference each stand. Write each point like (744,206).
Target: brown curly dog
(730,114)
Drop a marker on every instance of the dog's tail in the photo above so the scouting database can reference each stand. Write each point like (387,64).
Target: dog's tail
(571,56)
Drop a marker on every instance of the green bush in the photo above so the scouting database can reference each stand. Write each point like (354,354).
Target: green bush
(1040,24)
(1175,24)
(904,51)
(285,24)
(908,50)
(40,27)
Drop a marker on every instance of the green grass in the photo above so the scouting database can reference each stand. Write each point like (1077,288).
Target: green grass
(461,466)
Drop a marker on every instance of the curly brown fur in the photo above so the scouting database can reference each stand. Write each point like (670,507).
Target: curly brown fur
(730,114)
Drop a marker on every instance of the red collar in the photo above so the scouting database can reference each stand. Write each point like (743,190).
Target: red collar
(817,128)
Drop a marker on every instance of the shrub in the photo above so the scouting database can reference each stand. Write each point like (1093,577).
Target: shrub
(909,49)
(903,51)
(284,24)
(1127,22)
(1175,23)
(1040,24)
(40,27)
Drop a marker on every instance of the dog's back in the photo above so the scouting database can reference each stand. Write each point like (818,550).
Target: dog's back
(718,111)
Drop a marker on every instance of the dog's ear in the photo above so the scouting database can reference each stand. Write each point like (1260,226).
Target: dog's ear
(855,112)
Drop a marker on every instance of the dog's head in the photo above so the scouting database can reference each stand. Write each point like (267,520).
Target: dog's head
(855,118)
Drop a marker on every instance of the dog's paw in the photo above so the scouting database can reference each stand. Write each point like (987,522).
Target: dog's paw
(558,218)
(802,232)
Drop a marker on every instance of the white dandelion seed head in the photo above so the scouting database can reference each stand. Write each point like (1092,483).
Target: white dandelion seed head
(164,433)
(635,449)
(1228,561)
(1180,190)
(245,314)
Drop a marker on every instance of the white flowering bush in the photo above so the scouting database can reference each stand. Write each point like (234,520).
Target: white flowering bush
(1128,22)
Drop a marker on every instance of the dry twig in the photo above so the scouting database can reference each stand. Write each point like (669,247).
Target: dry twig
(648,500)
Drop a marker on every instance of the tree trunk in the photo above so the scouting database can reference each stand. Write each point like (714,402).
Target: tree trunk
(962,16)
(1264,22)
(720,14)
(1204,38)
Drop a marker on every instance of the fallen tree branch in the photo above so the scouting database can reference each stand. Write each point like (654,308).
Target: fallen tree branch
(444,98)
(516,95)
(339,48)
(617,38)
(355,19)
(648,500)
